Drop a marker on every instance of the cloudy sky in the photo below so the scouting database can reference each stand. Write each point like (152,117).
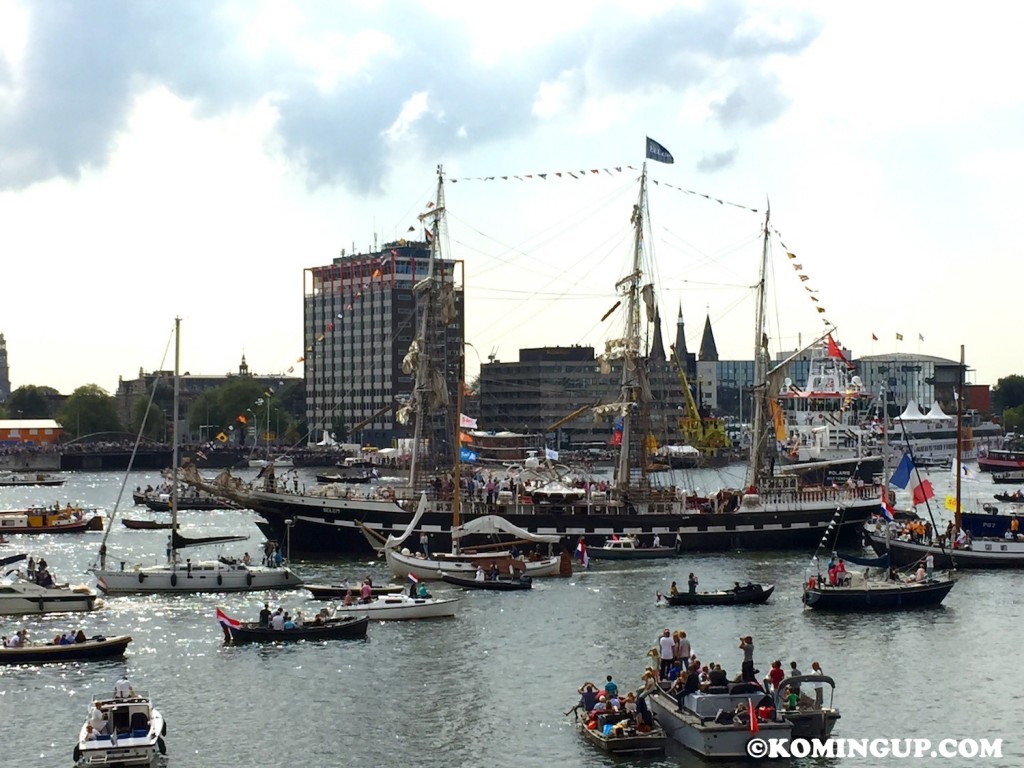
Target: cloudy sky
(191,158)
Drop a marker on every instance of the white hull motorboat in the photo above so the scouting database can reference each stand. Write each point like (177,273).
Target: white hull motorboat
(202,576)
(400,607)
(125,732)
(23,597)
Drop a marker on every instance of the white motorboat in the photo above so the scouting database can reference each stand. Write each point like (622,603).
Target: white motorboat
(18,597)
(121,731)
(278,461)
(400,607)
(31,478)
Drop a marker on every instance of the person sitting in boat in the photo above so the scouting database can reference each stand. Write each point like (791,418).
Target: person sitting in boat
(842,578)
(44,578)
(98,720)
(792,699)
(123,689)
(479,574)
(629,703)
(673,590)
(493,572)
(90,732)
(691,584)
(80,636)
(674,670)
(919,576)
(421,591)
(68,638)
(289,622)
(588,696)
(246,560)
(348,598)
(366,592)
(277,620)
(717,677)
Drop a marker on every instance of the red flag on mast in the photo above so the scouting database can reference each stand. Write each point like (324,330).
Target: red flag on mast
(835,351)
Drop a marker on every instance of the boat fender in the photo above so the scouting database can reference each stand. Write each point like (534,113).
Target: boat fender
(161,745)
(811,583)
(248,578)
(76,753)
(174,579)
(220,579)
(42,606)
(163,730)
(142,577)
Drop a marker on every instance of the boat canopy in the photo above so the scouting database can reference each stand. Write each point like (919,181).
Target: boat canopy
(497,524)
(912,412)
(181,542)
(870,562)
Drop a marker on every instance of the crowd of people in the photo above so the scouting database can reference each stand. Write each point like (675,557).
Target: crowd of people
(39,573)
(676,667)
(20,638)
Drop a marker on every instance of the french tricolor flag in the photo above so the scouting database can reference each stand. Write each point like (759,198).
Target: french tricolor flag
(581,553)
(887,511)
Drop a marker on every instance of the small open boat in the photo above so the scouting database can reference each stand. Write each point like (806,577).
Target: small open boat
(31,478)
(338,591)
(620,734)
(145,525)
(49,520)
(341,628)
(501,584)
(746,594)
(94,648)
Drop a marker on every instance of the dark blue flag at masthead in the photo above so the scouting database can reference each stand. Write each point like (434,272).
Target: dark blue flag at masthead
(657,152)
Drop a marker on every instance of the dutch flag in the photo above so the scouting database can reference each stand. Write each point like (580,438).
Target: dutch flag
(226,621)
(887,511)
(581,553)
(413,579)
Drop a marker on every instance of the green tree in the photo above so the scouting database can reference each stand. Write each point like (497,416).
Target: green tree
(89,410)
(223,409)
(1008,393)
(32,402)
(156,419)
(1013,419)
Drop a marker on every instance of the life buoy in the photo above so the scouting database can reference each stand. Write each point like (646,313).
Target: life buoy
(220,579)
(248,578)
(174,579)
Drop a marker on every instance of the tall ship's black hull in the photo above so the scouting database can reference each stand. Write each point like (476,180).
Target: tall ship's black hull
(329,529)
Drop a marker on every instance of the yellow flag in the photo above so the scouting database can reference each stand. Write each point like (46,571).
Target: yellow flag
(951,503)
(222,437)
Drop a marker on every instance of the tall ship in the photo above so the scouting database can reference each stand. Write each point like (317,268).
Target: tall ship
(771,511)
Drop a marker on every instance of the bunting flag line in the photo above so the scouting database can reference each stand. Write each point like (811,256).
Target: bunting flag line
(584,174)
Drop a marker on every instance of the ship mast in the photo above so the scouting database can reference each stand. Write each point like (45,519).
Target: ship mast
(959,438)
(424,290)
(760,366)
(176,447)
(631,363)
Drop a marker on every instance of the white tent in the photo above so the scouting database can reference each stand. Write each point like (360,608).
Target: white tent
(937,413)
(911,412)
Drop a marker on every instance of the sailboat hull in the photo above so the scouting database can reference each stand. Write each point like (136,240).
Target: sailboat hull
(211,576)
(878,597)
(332,526)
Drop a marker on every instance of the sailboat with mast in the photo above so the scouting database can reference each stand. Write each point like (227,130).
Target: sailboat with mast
(882,590)
(220,575)
(770,512)
(973,549)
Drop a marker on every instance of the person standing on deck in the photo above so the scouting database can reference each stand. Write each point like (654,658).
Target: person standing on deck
(747,669)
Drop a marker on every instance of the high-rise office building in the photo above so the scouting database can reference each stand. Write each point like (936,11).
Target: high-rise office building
(361,314)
